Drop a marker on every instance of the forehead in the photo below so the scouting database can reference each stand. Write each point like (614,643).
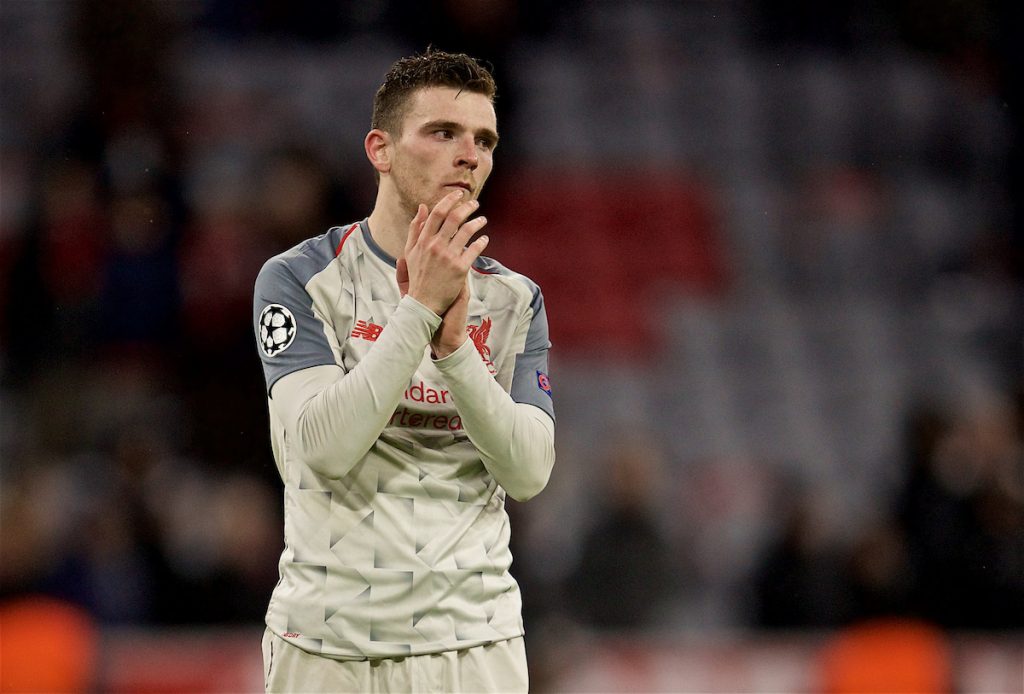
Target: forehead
(467,108)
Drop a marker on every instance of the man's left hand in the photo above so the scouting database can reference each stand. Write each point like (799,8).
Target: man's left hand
(452,332)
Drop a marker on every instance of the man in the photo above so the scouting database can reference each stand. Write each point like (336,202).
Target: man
(408,393)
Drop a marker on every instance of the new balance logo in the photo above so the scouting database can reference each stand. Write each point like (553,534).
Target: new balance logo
(367,331)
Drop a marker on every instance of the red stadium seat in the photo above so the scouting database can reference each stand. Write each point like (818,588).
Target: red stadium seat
(602,245)
(891,656)
(46,646)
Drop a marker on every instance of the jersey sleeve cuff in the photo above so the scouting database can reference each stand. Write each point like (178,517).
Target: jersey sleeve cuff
(431,319)
(454,360)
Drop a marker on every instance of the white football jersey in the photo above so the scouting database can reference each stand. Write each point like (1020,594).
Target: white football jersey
(408,552)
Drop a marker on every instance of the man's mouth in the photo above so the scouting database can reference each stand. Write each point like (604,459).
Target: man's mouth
(460,184)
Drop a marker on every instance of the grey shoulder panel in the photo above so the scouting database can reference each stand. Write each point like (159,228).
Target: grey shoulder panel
(490,266)
(313,255)
(289,335)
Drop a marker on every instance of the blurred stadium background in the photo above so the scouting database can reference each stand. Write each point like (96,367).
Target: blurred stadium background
(781,248)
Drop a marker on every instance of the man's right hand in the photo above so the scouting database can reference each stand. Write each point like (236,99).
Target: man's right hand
(436,256)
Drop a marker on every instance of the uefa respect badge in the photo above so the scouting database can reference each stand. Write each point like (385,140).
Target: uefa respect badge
(543,383)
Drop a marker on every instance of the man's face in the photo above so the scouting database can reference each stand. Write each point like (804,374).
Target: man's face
(447,142)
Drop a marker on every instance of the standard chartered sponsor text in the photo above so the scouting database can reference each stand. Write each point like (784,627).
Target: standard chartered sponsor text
(421,392)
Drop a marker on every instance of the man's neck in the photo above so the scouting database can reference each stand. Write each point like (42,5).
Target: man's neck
(389,227)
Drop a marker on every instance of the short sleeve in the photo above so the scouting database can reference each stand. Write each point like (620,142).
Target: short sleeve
(530,382)
(289,335)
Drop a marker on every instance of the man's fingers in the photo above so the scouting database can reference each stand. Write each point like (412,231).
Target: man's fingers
(416,227)
(441,210)
(466,231)
(474,249)
(456,219)
(402,276)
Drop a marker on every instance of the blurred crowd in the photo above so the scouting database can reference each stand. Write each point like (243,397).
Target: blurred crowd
(946,547)
(137,479)
(947,550)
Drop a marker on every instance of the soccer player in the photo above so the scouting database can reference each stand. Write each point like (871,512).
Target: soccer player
(408,393)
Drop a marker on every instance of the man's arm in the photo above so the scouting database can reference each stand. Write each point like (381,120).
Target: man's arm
(516,440)
(331,417)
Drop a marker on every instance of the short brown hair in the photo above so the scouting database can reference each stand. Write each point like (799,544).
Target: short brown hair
(431,69)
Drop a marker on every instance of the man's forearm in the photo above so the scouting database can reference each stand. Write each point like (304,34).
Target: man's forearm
(331,417)
(516,441)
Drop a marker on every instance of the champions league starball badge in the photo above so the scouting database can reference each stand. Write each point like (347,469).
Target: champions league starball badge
(277,329)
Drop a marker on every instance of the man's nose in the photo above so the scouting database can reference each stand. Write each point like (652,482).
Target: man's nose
(467,155)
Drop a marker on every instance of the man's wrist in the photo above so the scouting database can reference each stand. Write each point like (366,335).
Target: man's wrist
(427,305)
(440,351)
(424,313)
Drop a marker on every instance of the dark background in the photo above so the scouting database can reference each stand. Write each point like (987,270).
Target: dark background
(780,245)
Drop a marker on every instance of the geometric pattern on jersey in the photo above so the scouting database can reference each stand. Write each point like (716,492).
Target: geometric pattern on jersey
(408,553)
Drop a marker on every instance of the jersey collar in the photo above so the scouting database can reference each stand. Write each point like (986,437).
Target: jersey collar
(364,226)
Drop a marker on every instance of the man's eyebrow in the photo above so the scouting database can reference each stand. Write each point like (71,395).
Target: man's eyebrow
(458,127)
(489,134)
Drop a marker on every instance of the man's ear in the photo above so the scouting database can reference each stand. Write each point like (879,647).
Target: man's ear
(378,150)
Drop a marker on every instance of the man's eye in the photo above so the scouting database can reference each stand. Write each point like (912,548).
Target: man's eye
(485,143)
(444,134)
